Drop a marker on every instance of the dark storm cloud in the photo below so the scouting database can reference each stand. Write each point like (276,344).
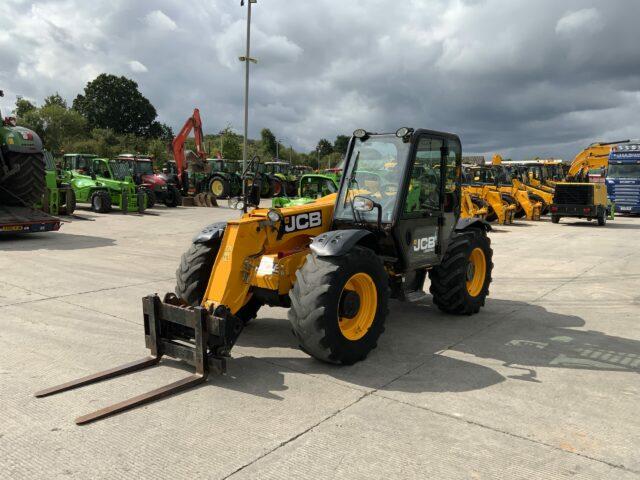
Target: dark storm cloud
(524,78)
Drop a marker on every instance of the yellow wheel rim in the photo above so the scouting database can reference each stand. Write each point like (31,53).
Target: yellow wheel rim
(217,188)
(354,327)
(476,271)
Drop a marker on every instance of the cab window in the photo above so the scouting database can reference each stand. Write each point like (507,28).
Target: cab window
(423,194)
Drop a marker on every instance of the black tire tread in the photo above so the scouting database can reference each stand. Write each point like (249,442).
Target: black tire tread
(448,280)
(310,295)
(27,185)
(106,201)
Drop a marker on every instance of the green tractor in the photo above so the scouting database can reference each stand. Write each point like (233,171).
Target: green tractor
(59,198)
(224,180)
(102,183)
(22,181)
(282,181)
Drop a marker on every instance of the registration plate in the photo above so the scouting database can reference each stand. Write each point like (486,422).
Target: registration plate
(625,209)
(12,228)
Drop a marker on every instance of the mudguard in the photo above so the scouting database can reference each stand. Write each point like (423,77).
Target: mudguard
(337,242)
(20,140)
(210,232)
(465,223)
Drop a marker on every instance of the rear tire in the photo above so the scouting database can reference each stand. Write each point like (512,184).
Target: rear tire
(602,219)
(323,311)
(555,218)
(101,202)
(219,187)
(27,185)
(460,284)
(192,278)
(277,188)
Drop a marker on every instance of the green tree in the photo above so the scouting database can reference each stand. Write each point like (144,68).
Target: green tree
(341,144)
(116,103)
(158,149)
(55,99)
(23,106)
(324,147)
(231,144)
(161,131)
(269,143)
(56,125)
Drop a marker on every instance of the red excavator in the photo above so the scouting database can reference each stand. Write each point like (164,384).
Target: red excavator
(193,123)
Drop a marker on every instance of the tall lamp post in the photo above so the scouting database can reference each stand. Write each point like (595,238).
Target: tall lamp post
(246,59)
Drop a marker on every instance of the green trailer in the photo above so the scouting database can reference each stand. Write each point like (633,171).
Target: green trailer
(102,183)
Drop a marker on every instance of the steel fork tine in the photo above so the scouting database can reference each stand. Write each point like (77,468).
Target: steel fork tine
(138,400)
(100,376)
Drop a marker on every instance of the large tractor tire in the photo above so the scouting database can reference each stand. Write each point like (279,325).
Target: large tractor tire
(27,185)
(339,305)
(173,198)
(266,188)
(219,187)
(460,284)
(192,277)
(101,202)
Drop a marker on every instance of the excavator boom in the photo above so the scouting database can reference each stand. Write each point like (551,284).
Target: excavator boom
(194,123)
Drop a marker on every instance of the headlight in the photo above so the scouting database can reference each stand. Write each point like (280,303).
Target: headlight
(273,215)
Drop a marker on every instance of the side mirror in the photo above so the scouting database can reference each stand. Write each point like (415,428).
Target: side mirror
(363,204)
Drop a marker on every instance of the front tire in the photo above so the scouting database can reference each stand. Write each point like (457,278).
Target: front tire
(173,197)
(460,284)
(101,202)
(555,218)
(339,305)
(151,197)
(192,278)
(69,203)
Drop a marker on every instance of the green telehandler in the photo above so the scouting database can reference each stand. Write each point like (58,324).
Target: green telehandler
(102,183)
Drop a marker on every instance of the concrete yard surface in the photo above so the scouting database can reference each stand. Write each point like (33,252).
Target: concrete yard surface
(543,383)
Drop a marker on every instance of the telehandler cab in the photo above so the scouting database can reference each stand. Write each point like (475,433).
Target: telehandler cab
(334,262)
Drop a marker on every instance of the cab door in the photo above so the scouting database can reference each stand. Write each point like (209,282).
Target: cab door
(417,233)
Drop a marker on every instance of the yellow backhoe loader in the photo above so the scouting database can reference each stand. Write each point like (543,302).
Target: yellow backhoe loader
(501,207)
(334,263)
(472,206)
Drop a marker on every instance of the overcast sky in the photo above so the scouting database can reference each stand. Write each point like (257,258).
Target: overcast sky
(524,78)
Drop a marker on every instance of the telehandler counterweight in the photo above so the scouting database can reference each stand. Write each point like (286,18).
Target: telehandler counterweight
(334,262)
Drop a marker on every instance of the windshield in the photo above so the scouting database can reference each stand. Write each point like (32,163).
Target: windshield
(120,169)
(279,168)
(618,170)
(375,171)
(314,187)
(143,168)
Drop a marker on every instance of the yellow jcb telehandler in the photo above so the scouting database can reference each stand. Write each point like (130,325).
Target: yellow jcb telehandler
(334,263)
